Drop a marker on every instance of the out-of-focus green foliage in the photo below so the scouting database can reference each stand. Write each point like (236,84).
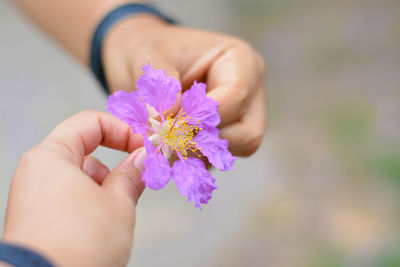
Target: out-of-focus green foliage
(326,256)
(387,164)
(348,125)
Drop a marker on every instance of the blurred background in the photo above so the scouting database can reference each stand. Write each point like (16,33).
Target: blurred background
(323,190)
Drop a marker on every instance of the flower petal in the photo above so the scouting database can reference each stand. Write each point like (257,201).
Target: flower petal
(215,149)
(129,108)
(157,89)
(157,171)
(193,180)
(200,107)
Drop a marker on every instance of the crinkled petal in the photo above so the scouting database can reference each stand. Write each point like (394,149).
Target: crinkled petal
(199,107)
(129,108)
(215,149)
(157,171)
(193,180)
(157,89)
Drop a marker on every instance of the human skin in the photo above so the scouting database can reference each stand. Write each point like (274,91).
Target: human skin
(231,68)
(67,205)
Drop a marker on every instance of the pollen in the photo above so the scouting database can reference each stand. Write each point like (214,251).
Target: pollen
(178,134)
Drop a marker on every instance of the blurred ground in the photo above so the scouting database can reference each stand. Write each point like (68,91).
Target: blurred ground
(323,190)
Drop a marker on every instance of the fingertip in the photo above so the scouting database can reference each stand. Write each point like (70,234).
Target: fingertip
(125,180)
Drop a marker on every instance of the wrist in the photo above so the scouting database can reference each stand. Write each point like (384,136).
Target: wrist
(109,21)
(130,30)
(123,39)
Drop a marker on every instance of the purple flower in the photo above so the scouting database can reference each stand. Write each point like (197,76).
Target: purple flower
(189,135)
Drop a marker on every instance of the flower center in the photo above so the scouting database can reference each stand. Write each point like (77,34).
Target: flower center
(176,134)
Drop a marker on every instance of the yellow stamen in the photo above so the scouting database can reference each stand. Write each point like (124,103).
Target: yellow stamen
(178,134)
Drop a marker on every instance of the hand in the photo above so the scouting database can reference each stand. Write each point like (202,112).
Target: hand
(67,205)
(232,70)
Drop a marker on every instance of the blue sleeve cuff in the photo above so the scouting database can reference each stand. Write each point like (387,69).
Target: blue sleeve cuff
(21,257)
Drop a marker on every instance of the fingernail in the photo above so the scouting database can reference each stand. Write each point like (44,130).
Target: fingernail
(138,162)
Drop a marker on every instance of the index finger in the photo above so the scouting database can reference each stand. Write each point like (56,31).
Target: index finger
(232,79)
(82,133)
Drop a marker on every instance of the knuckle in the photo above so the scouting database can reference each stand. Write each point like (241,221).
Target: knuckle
(246,48)
(87,113)
(262,66)
(242,97)
(119,173)
(253,58)
(53,147)
(33,155)
(27,158)
(241,44)
(251,143)
(30,161)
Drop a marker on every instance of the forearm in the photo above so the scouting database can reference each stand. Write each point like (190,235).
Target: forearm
(71,22)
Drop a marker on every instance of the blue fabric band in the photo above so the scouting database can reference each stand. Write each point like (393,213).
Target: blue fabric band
(21,257)
(113,17)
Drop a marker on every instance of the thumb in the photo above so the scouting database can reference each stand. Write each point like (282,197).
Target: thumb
(125,180)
